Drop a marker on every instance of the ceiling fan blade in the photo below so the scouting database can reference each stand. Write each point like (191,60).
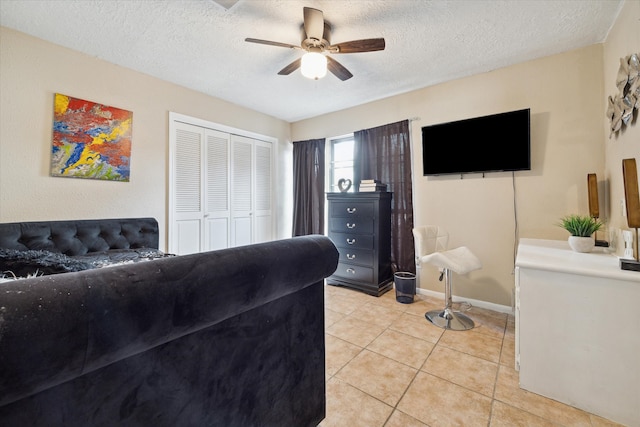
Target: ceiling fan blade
(355,46)
(338,69)
(270,43)
(290,68)
(313,23)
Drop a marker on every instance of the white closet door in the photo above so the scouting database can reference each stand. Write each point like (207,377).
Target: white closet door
(186,165)
(220,187)
(217,215)
(263,218)
(242,193)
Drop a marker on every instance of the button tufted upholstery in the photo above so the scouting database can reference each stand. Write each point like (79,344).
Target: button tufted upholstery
(79,237)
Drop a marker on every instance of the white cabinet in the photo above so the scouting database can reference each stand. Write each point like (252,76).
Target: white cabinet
(578,329)
(220,189)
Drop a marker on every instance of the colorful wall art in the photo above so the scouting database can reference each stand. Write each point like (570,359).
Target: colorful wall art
(90,140)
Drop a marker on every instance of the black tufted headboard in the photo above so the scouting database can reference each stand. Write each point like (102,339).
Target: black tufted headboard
(78,237)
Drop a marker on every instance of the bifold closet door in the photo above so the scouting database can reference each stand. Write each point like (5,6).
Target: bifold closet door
(221,190)
(217,215)
(186,203)
(199,196)
(242,194)
(251,195)
(263,218)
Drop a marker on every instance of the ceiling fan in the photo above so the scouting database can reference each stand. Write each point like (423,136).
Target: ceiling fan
(316,42)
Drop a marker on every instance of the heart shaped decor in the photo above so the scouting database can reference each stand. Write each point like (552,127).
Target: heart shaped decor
(344,184)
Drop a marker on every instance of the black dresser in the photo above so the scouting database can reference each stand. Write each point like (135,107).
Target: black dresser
(360,227)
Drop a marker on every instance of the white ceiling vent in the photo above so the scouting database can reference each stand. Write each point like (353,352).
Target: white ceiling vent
(227,4)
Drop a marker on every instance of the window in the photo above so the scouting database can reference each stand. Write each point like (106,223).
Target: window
(341,162)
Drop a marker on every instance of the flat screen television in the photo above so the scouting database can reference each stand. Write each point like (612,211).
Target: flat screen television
(494,143)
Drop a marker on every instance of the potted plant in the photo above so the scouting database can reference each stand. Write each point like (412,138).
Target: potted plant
(581,227)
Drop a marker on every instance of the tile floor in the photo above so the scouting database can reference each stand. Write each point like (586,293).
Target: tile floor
(388,366)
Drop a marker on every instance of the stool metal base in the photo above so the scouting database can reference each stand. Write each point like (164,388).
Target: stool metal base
(449,319)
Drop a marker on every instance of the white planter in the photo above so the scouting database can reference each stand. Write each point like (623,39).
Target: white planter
(581,244)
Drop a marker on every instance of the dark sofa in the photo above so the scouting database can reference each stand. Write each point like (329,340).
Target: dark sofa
(224,338)
(50,247)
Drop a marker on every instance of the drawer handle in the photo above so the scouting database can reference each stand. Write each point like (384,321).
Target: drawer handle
(350,226)
(351,210)
(350,256)
(351,241)
(351,270)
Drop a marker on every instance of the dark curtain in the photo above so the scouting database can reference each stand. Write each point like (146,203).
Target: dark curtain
(308,187)
(384,153)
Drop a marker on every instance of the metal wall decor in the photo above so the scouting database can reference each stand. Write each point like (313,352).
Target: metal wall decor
(621,107)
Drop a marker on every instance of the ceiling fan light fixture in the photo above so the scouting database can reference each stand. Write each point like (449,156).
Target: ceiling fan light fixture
(316,44)
(313,65)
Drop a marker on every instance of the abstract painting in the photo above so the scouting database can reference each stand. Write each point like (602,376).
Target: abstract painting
(90,140)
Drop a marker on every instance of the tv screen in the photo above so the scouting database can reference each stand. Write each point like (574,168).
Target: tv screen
(495,143)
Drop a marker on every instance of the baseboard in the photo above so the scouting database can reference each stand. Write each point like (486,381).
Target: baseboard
(475,303)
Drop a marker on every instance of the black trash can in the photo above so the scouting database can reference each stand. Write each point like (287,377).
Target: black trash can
(405,284)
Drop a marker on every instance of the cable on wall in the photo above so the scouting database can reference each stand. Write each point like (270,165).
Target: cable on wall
(515,217)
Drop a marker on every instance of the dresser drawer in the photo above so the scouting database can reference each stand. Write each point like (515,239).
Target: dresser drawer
(354,272)
(357,225)
(351,240)
(350,209)
(356,256)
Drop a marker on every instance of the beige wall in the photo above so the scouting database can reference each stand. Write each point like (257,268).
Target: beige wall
(565,95)
(32,70)
(623,40)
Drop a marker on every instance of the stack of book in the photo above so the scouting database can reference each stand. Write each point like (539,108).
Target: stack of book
(372,185)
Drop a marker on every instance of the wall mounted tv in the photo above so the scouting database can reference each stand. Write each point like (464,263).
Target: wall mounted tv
(495,143)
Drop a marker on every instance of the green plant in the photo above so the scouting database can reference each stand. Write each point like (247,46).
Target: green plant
(580,225)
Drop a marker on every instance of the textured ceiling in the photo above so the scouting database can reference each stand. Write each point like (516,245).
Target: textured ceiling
(200,44)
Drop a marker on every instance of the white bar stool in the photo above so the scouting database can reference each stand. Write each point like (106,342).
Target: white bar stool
(462,261)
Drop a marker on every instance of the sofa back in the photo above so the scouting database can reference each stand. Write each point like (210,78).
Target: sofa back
(230,338)
(79,237)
